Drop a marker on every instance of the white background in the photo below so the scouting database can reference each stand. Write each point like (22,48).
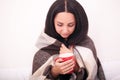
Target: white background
(21,22)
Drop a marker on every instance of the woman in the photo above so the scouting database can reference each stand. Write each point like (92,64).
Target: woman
(66,31)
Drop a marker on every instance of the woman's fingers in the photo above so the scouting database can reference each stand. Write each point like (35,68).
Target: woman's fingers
(68,63)
(64,49)
(63,46)
(67,66)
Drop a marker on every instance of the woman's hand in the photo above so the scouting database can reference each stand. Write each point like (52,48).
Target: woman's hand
(64,49)
(61,67)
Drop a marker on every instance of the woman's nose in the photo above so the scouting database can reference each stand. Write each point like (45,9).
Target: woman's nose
(65,30)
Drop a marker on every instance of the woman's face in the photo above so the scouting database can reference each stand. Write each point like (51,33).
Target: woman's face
(64,24)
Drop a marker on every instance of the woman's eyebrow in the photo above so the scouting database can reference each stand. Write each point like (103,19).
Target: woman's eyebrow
(59,22)
(68,23)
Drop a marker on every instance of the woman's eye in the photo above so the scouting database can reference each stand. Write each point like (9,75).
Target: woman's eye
(70,25)
(59,24)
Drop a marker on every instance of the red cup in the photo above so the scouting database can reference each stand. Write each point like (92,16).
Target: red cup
(65,57)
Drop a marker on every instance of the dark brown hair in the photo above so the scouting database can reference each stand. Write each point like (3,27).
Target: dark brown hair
(77,10)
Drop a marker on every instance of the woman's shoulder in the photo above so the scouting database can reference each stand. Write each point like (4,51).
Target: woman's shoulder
(41,54)
(89,44)
(83,50)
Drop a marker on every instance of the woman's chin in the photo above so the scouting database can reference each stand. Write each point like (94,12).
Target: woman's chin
(64,36)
